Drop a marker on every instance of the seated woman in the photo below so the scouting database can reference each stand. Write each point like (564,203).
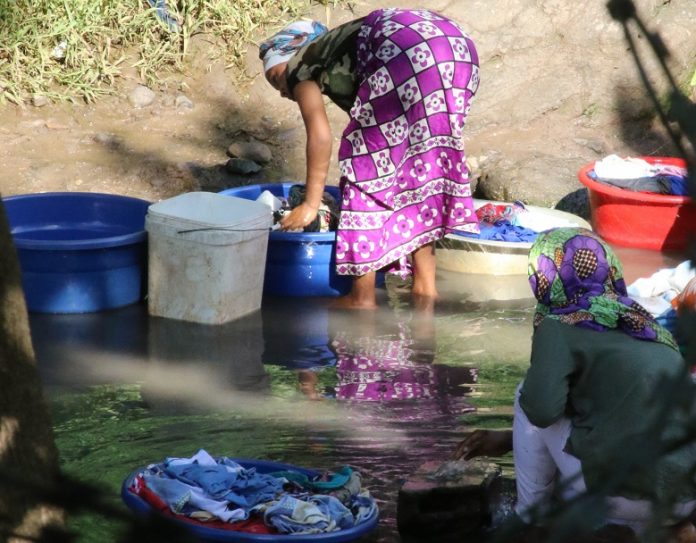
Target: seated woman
(607,396)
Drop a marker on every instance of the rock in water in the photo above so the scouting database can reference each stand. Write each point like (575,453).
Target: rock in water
(448,500)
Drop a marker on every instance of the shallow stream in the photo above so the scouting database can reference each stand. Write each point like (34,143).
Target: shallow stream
(283,384)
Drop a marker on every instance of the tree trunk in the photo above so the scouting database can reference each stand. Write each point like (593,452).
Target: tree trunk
(28,452)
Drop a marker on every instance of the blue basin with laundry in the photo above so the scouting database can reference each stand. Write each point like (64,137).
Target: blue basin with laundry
(298,263)
(79,252)
(209,534)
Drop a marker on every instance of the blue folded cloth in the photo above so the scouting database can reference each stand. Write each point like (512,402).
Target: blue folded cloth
(502,231)
(314,515)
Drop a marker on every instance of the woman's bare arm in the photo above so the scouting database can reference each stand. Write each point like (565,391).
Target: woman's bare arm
(318,153)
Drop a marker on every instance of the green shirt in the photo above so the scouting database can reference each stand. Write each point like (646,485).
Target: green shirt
(607,383)
(330,60)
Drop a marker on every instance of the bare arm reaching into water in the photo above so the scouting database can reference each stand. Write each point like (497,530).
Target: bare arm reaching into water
(308,96)
(484,443)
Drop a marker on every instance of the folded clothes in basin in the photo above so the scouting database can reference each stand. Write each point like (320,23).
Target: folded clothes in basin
(512,223)
(636,174)
(505,231)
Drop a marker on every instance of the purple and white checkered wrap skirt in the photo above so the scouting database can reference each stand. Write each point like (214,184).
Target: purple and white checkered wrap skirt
(404,179)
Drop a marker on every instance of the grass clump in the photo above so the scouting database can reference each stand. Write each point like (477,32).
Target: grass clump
(63,49)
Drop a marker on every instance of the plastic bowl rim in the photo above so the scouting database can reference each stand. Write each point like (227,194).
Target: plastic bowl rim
(105,242)
(279,235)
(632,196)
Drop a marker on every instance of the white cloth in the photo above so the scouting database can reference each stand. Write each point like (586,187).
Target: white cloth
(540,222)
(615,167)
(268,198)
(543,469)
(656,292)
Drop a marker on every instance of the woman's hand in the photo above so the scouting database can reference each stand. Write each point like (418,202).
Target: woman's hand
(484,443)
(298,218)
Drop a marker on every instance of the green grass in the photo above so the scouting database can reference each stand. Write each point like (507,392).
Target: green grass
(101,37)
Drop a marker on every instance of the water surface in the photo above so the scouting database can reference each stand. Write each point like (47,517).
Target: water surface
(295,382)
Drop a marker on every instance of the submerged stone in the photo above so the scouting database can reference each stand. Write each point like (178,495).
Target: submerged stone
(446,500)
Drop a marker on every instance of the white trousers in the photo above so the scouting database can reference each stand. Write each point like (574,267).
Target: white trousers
(543,468)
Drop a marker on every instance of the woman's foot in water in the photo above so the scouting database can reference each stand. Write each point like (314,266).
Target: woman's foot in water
(362,294)
(424,291)
(348,302)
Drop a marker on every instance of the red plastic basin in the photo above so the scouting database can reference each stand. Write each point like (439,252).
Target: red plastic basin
(641,219)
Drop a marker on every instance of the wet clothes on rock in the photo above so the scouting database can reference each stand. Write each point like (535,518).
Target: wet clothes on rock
(407,79)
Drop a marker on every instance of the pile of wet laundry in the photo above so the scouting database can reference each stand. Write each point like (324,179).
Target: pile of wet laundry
(327,214)
(221,493)
(638,175)
(512,222)
(666,293)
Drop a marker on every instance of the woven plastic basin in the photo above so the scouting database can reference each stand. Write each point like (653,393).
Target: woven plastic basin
(640,219)
(79,252)
(298,263)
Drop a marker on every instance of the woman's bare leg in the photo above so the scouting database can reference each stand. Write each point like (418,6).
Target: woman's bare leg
(362,295)
(424,272)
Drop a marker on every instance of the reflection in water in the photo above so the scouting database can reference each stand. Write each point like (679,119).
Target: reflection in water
(230,354)
(394,386)
(296,333)
(386,382)
(386,359)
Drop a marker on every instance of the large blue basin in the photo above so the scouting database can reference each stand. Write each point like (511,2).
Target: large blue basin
(79,252)
(298,263)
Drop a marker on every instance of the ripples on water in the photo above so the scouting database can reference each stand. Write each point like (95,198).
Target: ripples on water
(383,392)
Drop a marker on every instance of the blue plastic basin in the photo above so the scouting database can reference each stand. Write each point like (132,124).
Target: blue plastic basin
(298,263)
(209,535)
(79,252)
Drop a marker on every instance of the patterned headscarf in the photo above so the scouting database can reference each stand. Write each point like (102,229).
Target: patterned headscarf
(577,279)
(284,44)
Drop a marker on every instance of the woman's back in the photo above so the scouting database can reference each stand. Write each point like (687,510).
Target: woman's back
(623,397)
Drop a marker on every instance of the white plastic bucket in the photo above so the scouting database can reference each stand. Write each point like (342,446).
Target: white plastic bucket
(207,255)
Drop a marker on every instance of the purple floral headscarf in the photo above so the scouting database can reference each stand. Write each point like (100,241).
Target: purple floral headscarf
(577,279)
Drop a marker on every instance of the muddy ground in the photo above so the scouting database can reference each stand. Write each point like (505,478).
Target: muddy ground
(535,122)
